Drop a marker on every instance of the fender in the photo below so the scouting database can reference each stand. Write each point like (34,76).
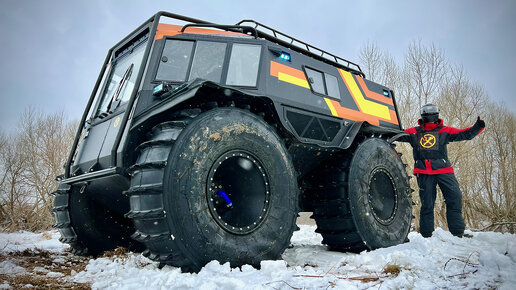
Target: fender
(198,90)
(305,126)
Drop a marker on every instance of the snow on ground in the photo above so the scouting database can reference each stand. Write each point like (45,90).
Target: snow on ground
(21,241)
(487,260)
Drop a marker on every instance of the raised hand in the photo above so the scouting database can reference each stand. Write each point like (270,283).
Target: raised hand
(481,122)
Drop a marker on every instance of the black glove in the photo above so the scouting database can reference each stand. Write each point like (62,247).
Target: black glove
(480,123)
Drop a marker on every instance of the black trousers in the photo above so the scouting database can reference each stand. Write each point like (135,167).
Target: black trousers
(452,198)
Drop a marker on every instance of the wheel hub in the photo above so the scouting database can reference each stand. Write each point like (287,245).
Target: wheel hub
(238,192)
(383,197)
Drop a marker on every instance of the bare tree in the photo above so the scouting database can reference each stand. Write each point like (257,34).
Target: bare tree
(425,69)
(30,159)
(379,66)
(13,192)
(495,199)
(371,57)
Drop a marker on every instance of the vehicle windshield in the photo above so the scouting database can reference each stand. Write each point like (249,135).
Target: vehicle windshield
(122,79)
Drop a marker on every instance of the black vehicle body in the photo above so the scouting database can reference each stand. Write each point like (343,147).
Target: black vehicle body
(320,105)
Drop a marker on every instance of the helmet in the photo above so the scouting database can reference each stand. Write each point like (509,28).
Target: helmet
(429,113)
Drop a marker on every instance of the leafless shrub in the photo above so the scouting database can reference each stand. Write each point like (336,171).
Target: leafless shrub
(30,159)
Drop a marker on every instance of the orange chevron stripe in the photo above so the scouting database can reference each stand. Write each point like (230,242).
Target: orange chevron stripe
(353,115)
(374,95)
(374,115)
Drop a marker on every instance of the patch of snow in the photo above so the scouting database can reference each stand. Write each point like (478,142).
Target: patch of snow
(8,267)
(22,240)
(5,285)
(40,270)
(55,274)
(59,260)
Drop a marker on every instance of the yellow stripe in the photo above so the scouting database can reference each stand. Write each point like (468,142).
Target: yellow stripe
(332,108)
(293,80)
(366,106)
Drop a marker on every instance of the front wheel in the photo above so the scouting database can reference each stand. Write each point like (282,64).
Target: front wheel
(379,195)
(229,193)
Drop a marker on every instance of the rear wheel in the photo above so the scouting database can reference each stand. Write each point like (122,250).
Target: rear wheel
(363,202)
(89,227)
(227,192)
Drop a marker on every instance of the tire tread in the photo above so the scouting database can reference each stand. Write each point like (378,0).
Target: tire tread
(160,245)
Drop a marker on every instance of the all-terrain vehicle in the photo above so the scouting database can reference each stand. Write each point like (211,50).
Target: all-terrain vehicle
(203,141)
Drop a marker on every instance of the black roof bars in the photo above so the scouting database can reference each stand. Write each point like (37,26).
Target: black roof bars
(234,28)
(304,47)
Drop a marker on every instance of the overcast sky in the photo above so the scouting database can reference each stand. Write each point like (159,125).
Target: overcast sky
(51,51)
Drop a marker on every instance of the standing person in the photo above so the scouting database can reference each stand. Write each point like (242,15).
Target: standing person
(432,167)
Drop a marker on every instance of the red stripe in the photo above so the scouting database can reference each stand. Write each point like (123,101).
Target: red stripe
(428,165)
(451,130)
(436,171)
(411,130)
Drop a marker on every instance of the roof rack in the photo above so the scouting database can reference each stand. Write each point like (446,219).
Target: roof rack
(291,42)
(303,47)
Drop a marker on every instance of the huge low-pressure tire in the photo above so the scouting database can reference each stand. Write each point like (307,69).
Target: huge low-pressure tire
(227,191)
(88,226)
(363,202)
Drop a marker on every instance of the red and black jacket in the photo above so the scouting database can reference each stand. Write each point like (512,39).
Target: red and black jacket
(429,142)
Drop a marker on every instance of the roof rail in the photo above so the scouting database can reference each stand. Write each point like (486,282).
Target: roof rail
(303,47)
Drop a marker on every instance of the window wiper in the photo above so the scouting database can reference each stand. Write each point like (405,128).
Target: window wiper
(113,103)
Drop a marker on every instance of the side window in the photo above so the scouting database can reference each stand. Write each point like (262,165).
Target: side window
(175,60)
(323,83)
(208,61)
(243,65)
(316,80)
(332,85)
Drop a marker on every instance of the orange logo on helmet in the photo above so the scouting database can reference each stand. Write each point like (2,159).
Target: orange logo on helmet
(427,141)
